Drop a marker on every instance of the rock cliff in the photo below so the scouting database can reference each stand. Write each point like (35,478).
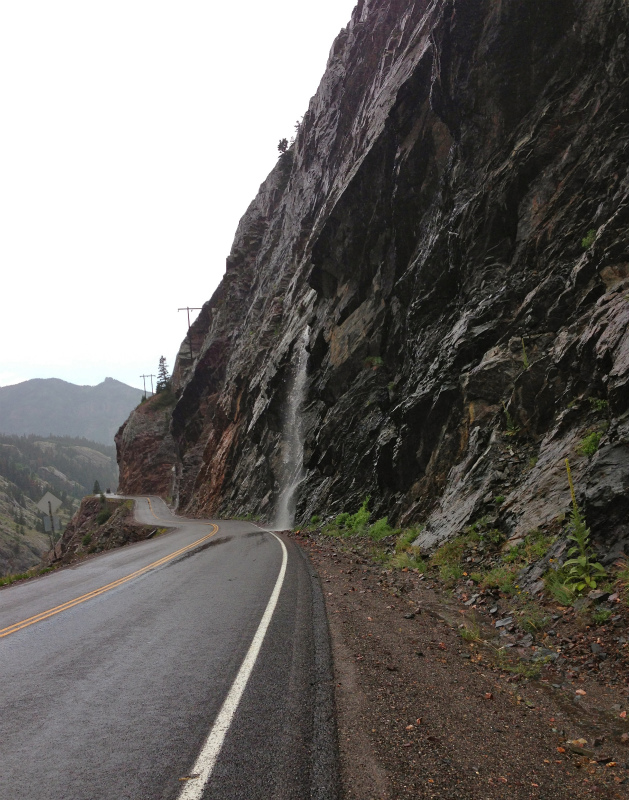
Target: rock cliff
(451,226)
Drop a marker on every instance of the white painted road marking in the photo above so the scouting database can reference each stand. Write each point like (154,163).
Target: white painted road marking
(204,765)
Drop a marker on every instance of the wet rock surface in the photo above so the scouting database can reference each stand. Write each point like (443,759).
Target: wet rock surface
(451,222)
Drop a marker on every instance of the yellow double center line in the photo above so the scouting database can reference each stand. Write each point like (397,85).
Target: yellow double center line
(25,623)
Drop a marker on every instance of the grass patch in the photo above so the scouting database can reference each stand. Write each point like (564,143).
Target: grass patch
(450,573)
(601,615)
(557,588)
(470,632)
(86,539)
(534,619)
(407,561)
(534,546)
(502,578)
(449,554)
(9,579)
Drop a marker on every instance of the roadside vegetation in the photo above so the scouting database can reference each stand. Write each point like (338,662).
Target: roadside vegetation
(491,576)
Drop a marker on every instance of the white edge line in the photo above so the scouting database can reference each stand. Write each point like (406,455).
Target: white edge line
(206,760)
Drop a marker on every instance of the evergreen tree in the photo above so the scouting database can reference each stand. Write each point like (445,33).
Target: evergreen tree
(96,489)
(163,376)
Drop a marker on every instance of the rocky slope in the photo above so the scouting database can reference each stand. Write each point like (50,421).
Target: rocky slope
(100,524)
(451,225)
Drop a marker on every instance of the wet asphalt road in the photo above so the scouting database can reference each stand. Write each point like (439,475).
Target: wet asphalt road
(113,697)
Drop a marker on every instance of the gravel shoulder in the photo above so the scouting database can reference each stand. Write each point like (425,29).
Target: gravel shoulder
(424,713)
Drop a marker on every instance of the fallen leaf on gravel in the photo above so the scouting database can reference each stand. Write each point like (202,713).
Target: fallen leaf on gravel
(489,696)
(561,749)
(582,692)
(442,646)
(369,619)
(418,720)
(410,727)
(622,714)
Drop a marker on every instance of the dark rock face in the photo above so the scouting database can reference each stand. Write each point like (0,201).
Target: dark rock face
(431,224)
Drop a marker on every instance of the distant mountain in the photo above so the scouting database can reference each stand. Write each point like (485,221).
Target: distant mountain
(54,407)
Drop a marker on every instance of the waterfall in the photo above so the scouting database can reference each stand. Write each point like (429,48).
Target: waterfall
(293,471)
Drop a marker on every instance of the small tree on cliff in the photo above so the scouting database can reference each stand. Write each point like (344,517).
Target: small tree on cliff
(163,376)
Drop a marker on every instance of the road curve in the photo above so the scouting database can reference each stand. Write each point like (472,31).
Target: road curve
(115,672)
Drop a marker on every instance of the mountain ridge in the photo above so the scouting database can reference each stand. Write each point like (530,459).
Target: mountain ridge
(45,406)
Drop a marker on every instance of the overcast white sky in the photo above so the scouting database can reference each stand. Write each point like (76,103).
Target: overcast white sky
(134,135)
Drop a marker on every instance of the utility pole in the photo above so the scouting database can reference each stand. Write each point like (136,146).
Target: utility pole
(189,337)
(151,377)
(144,377)
(52,526)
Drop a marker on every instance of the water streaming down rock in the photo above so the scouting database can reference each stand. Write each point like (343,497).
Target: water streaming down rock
(293,471)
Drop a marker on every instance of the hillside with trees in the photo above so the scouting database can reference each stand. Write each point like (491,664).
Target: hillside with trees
(30,466)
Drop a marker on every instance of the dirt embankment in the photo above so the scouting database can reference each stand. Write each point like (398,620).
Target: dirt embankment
(428,711)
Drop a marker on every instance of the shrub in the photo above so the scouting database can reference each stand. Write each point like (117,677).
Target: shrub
(380,529)
(589,444)
(346,524)
(373,361)
(598,404)
(499,499)
(315,519)
(588,239)
(359,521)
(86,539)
(103,516)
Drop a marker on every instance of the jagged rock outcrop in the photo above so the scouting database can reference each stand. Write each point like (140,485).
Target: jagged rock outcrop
(451,224)
(145,448)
